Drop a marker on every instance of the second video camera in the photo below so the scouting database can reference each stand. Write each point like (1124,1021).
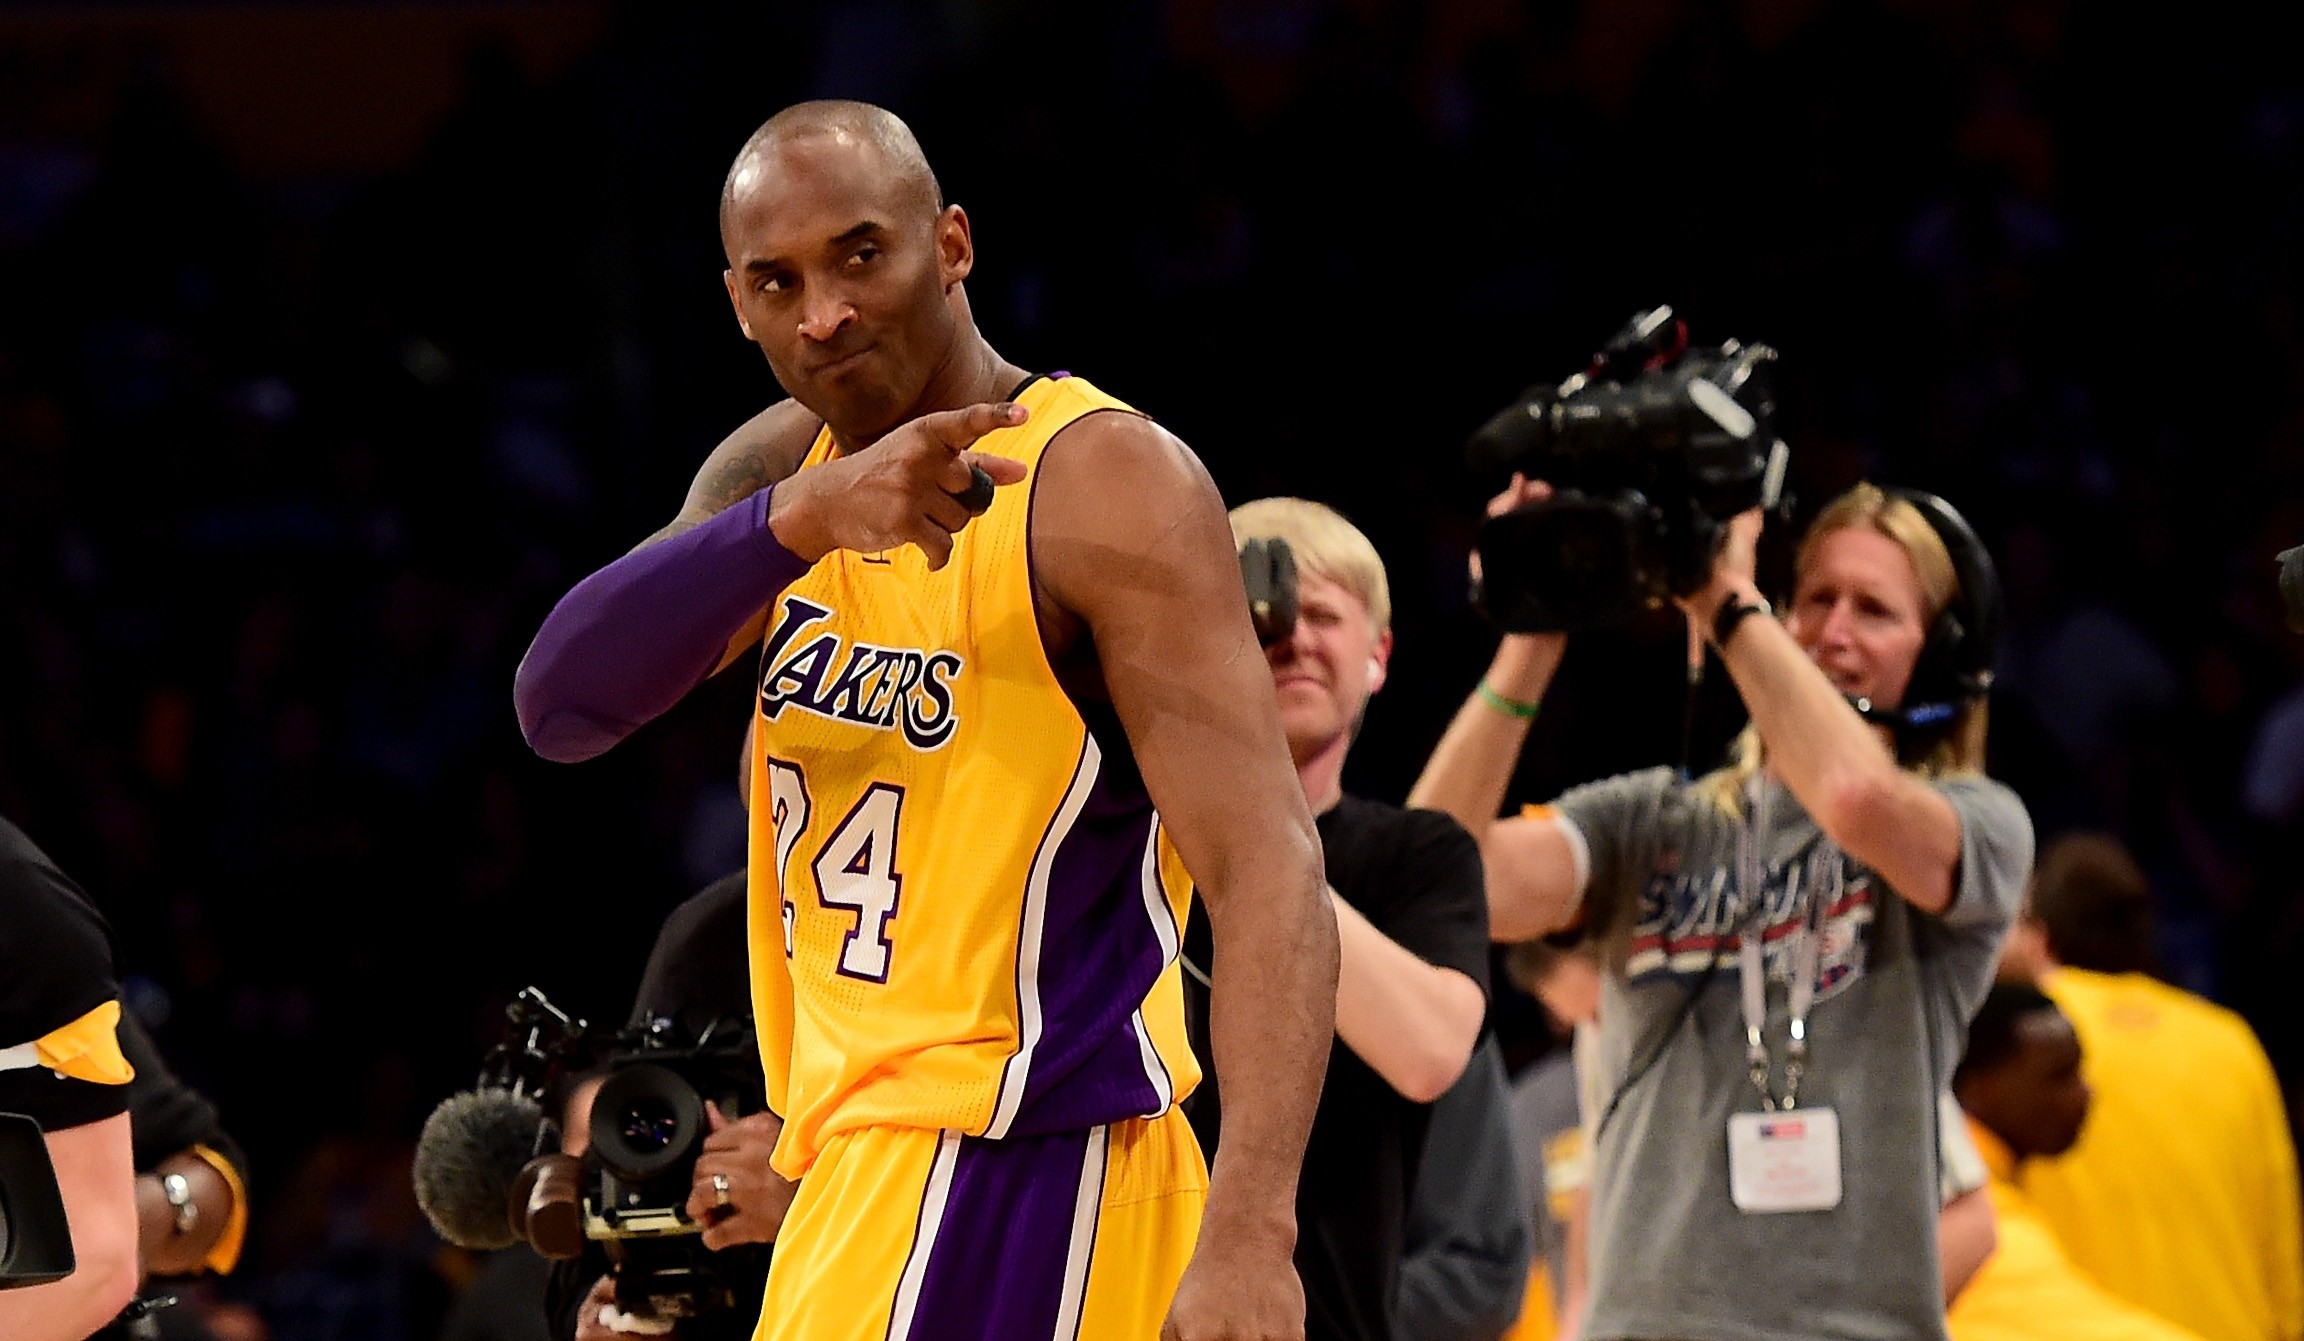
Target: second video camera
(490,1170)
(1651,451)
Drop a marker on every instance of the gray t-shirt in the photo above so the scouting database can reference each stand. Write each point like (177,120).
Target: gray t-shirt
(1895,989)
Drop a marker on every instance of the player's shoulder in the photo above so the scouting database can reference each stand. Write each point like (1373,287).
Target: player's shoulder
(1072,391)
(1116,470)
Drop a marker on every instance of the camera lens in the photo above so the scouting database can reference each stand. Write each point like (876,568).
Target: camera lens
(646,1120)
(650,1123)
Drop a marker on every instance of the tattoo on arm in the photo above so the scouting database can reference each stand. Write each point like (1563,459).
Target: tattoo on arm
(747,462)
(724,484)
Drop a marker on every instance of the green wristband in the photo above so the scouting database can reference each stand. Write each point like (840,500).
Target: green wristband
(1510,707)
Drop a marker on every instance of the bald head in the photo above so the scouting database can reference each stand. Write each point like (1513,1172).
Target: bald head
(845,266)
(888,142)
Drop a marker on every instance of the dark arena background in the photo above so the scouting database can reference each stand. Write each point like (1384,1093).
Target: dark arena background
(338,339)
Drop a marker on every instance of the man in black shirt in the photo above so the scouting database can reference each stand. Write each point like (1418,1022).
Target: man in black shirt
(1412,922)
(61,1065)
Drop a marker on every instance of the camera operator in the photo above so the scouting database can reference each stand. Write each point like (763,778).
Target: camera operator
(1794,943)
(61,1065)
(697,978)
(619,1178)
(1413,926)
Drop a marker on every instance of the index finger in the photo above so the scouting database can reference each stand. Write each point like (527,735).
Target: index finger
(959,429)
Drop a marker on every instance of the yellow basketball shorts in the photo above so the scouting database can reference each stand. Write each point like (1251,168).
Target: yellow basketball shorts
(910,1234)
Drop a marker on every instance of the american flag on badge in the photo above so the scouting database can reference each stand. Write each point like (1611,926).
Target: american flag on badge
(1783,1129)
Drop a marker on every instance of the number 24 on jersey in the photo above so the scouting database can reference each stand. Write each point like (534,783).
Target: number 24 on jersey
(854,869)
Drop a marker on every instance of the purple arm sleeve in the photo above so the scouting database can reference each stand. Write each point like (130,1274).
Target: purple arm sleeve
(631,640)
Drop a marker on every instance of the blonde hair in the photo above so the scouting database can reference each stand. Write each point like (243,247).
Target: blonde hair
(1323,542)
(1871,508)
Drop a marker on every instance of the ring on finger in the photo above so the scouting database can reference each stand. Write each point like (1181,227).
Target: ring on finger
(719,1189)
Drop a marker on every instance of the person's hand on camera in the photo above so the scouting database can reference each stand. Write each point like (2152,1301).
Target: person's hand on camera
(735,1195)
(1524,661)
(1733,573)
(902,490)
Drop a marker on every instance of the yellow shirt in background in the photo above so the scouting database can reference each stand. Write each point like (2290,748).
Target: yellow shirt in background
(2181,1196)
(2029,1290)
(1539,1309)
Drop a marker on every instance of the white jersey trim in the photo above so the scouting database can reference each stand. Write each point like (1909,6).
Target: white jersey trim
(1163,919)
(1085,1212)
(1018,1069)
(932,1201)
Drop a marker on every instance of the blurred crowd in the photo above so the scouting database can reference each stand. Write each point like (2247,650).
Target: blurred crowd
(292,464)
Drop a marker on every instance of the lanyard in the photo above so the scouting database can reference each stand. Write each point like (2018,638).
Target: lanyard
(1806,950)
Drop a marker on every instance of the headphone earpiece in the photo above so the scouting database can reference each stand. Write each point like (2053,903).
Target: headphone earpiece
(1956,661)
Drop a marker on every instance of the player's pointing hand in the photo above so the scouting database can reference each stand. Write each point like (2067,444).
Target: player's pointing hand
(917,486)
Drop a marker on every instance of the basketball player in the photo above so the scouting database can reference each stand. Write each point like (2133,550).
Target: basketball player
(992,757)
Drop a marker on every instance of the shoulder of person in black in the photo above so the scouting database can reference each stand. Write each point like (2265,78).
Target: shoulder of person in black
(56,965)
(699,971)
(1415,876)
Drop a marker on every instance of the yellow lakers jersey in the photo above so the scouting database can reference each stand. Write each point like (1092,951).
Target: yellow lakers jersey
(964,911)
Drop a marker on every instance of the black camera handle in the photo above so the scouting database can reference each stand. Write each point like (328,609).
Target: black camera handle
(539,1038)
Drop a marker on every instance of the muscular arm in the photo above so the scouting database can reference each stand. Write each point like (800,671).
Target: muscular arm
(94,1172)
(1129,536)
(635,637)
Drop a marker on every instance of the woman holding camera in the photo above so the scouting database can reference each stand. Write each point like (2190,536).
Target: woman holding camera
(1794,942)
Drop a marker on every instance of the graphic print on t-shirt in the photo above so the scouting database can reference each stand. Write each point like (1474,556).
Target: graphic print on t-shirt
(1689,918)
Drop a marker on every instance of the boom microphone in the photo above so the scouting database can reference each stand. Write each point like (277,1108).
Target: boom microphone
(468,1157)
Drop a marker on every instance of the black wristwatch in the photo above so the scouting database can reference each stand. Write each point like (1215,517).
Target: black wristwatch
(1732,612)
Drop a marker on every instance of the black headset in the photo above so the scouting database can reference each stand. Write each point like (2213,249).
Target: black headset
(1955,665)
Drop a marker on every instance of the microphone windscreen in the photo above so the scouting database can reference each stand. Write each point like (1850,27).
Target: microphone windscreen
(468,1156)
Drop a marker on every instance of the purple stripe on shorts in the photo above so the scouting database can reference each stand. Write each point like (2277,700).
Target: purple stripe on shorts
(997,1269)
(1099,955)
